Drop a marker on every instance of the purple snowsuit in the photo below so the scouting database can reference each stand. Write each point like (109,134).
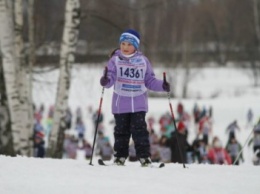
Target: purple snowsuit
(127,66)
(131,76)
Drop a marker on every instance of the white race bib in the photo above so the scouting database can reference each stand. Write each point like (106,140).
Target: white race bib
(130,77)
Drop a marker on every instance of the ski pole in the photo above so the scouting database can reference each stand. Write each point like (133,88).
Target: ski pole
(99,112)
(170,104)
(243,147)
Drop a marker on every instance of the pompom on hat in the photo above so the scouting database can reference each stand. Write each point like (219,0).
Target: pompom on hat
(130,36)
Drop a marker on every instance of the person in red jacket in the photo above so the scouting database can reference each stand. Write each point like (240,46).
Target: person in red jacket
(217,154)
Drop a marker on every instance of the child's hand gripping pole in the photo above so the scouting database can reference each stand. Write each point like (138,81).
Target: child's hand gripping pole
(166,85)
(104,80)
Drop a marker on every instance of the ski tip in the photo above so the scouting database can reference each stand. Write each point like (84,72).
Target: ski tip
(161,165)
(101,162)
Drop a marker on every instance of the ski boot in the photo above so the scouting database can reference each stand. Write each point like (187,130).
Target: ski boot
(145,162)
(120,161)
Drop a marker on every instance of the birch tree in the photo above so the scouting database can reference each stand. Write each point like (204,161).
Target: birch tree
(9,69)
(67,57)
(25,106)
(6,143)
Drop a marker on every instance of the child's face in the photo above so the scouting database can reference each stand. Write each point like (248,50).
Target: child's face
(127,48)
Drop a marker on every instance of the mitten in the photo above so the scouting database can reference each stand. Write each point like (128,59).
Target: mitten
(104,81)
(166,86)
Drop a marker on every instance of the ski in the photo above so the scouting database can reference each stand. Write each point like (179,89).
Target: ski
(102,163)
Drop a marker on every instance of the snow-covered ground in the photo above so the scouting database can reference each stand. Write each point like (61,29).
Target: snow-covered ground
(233,94)
(48,176)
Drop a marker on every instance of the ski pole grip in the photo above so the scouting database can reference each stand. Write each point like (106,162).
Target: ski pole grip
(164,77)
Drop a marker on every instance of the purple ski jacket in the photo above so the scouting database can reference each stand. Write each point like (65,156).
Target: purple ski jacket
(131,77)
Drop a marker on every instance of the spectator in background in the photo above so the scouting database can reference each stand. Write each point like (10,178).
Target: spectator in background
(195,149)
(68,118)
(66,142)
(196,113)
(39,149)
(153,137)
(234,148)
(164,121)
(38,127)
(232,128)
(186,119)
(217,154)
(80,128)
(154,146)
(256,143)
(48,124)
(71,147)
(164,150)
(181,126)
(51,111)
(203,112)
(101,141)
(180,110)
(106,151)
(178,145)
(87,148)
(38,115)
(203,152)
(150,123)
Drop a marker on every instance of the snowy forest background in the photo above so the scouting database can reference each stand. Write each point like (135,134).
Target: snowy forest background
(185,36)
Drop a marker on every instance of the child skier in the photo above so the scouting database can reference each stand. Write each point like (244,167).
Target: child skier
(131,74)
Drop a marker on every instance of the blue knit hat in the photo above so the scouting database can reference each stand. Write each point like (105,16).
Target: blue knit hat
(130,36)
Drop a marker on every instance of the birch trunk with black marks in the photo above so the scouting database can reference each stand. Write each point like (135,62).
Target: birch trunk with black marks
(67,58)
(6,142)
(9,68)
(25,107)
